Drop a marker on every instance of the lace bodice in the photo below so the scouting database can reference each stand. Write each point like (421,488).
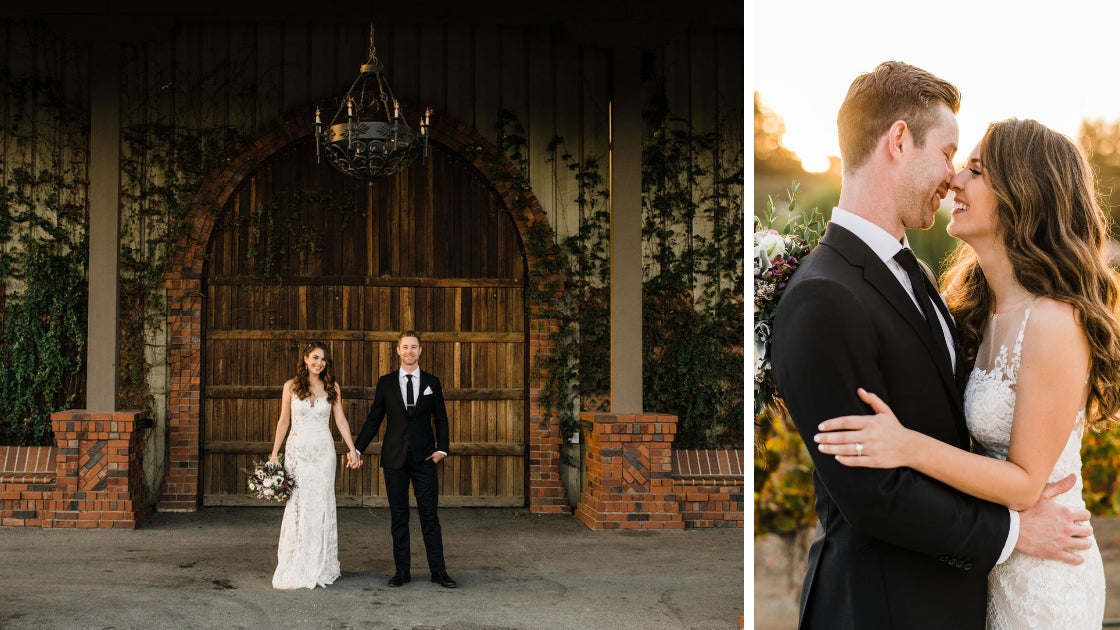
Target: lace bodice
(307,555)
(310,416)
(1026,592)
(990,395)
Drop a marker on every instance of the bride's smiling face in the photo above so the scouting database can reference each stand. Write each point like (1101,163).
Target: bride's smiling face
(315,361)
(974,203)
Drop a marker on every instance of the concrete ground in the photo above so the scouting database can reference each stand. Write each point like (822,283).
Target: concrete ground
(213,569)
(779,568)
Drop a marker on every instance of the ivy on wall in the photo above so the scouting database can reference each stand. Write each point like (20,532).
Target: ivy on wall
(162,168)
(692,208)
(693,276)
(43,254)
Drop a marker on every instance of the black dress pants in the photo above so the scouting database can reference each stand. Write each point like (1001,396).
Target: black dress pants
(425,486)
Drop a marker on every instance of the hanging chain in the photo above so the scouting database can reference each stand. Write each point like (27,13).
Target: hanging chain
(372,48)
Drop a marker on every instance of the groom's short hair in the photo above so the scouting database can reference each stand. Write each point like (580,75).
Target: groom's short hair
(408,333)
(875,100)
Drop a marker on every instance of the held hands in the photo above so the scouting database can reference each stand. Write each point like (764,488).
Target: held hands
(1052,531)
(353,459)
(872,441)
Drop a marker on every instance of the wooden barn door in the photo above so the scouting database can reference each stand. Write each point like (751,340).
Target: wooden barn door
(303,252)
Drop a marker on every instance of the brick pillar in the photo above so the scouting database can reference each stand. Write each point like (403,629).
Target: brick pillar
(629,483)
(100,470)
(546,488)
(180,486)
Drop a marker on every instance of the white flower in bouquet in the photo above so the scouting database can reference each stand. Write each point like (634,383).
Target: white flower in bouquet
(271,481)
(768,246)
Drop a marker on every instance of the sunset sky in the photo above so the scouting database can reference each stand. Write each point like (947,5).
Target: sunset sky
(1056,66)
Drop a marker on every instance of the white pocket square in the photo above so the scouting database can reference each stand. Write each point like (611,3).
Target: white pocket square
(427,391)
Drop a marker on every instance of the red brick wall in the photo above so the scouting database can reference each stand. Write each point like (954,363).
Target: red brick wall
(711,505)
(26,482)
(96,479)
(709,486)
(100,470)
(628,483)
(635,480)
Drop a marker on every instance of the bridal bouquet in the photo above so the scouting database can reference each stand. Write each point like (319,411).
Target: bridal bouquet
(777,254)
(271,481)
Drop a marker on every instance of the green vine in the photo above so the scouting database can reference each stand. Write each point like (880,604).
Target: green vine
(276,228)
(693,293)
(693,279)
(162,168)
(43,259)
(546,287)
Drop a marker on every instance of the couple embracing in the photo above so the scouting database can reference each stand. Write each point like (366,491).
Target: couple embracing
(415,442)
(945,431)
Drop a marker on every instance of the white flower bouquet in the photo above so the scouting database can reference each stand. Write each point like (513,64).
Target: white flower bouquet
(271,481)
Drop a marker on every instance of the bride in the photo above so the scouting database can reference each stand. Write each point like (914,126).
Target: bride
(307,555)
(1036,303)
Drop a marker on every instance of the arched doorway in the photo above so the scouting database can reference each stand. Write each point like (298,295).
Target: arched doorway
(304,252)
(435,248)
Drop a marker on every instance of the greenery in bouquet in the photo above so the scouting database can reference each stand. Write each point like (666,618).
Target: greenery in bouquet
(783,489)
(271,482)
(781,242)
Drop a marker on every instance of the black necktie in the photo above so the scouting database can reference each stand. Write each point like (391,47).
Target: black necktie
(919,281)
(409,397)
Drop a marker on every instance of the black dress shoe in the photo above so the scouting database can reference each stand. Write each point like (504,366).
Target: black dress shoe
(443,579)
(399,579)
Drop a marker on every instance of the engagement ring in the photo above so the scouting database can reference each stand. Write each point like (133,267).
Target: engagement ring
(859,449)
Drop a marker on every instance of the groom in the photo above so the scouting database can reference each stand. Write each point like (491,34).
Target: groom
(894,548)
(416,440)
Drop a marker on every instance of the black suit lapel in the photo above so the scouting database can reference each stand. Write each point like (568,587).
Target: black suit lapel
(883,281)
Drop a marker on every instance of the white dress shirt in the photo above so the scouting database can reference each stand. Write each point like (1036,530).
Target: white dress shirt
(885,247)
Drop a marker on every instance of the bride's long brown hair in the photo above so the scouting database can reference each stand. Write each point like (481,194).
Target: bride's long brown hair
(1055,233)
(302,380)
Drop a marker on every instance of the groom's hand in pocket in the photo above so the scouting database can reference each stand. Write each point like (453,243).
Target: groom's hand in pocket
(1053,531)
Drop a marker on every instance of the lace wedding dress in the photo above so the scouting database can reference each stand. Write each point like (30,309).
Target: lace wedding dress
(1026,592)
(308,552)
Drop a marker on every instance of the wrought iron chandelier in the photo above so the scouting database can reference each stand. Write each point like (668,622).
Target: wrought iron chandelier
(372,139)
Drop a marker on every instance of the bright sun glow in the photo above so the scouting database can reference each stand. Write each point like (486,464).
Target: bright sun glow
(993,53)
(815,162)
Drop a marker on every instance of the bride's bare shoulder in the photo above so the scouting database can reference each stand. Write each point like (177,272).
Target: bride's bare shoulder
(1054,326)
(1050,314)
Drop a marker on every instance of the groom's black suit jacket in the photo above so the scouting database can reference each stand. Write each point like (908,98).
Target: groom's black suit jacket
(894,548)
(424,431)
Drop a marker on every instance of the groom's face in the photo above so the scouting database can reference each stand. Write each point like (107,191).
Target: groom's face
(408,349)
(928,172)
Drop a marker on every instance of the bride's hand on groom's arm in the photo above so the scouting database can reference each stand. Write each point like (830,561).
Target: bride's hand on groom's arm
(869,441)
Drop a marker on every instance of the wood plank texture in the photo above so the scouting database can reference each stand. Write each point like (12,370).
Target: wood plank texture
(305,253)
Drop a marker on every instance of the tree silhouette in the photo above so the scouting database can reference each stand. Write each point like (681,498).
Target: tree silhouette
(770,156)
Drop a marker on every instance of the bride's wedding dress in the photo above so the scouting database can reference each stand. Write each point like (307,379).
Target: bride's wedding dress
(1026,592)
(308,552)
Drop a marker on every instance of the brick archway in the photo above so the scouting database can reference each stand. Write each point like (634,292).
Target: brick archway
(183,281)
